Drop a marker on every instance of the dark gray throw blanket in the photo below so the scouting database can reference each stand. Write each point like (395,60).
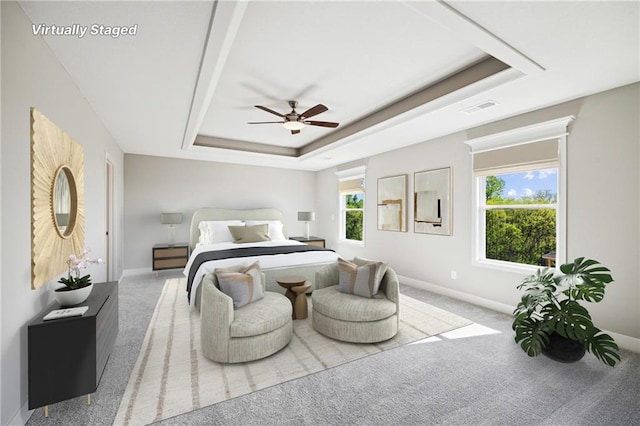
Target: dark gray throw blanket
(243,252)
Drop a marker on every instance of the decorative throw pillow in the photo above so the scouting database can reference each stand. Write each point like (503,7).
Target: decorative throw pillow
(276,228)
(242,287)
(361,261)
(358,280)
(249,234)
(217,231)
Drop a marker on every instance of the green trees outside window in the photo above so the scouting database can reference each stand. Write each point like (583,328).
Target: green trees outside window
(354,216)
(519,228)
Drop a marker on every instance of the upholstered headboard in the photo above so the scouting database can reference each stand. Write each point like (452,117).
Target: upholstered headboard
(209,213)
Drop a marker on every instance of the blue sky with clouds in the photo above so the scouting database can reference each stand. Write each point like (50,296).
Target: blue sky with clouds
(527,183)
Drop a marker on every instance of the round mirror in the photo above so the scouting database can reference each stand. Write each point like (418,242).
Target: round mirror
(64,204)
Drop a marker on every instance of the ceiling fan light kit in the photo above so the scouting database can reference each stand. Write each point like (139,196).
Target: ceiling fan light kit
(295,122)
(293,125)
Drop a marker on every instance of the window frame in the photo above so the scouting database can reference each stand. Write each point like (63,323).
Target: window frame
(483,207)
(343,217)
(350,173)
(553,129)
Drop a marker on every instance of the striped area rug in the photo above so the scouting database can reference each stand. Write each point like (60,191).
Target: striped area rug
(171,376)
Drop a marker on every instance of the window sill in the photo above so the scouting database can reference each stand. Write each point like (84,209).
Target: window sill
(352,242)
(517,268)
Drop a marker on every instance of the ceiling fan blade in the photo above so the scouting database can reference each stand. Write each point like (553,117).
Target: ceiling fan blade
(321,123)
(295,132)
(269,110)
(265,122)
(314,111)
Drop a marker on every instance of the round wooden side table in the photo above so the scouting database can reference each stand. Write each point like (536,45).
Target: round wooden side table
(296,287)
(300,309)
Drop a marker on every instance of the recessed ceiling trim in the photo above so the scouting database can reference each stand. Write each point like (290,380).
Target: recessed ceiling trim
(394,114)
(223,27)
(463,27)
(470,75)
(237,145)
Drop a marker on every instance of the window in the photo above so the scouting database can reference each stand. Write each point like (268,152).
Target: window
(519,211)
(351,193)
(519,197)
(352,213)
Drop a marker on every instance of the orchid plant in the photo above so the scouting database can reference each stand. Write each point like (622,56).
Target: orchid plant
(77,263)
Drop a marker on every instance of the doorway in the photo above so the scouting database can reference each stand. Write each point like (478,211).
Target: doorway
(109,244)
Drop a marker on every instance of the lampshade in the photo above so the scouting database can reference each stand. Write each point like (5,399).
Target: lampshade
(293,125)
(170,218)
(306,216)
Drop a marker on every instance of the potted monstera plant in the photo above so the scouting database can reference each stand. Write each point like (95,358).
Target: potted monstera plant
(550,319)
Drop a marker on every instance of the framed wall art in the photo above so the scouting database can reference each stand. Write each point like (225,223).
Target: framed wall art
(392,203)
(432,201)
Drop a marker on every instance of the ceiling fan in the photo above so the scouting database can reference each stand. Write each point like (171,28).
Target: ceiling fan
(294,121)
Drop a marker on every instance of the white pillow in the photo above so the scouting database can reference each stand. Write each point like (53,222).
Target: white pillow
(217,231)
(275,231)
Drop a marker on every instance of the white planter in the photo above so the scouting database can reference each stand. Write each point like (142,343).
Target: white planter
(72,297)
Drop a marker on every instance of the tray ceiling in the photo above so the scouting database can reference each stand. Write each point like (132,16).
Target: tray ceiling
(391,73)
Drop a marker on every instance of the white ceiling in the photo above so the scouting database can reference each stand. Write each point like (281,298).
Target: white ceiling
(389,71)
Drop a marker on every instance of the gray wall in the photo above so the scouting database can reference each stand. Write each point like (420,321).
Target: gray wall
(32,77)
(154,185)
(602,211)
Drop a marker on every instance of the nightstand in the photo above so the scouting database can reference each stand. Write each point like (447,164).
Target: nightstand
(312,241)
(170,256)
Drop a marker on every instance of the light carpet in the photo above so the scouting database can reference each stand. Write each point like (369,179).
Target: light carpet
(172,377)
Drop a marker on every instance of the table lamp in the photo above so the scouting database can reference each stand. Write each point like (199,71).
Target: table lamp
(306,217)
(171,219)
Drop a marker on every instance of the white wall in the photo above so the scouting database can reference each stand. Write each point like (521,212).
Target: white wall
(32,77)
(154,185)
(603,207)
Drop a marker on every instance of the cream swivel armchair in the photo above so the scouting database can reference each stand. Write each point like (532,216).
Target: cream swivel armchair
(251,332)
(352,318)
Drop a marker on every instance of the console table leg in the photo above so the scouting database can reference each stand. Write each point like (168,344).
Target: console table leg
(46,411)
(88,399)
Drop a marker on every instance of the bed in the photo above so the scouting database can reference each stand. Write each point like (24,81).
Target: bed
(213,247)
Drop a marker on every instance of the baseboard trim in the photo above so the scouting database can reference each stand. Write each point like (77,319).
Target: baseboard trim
(465,297)
(624,342)
(22,416)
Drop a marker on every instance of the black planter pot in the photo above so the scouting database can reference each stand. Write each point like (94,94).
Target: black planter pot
(564,350)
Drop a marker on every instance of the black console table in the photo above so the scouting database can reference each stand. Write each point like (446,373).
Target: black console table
(67,356)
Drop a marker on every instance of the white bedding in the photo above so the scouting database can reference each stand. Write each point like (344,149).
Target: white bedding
(266,262)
